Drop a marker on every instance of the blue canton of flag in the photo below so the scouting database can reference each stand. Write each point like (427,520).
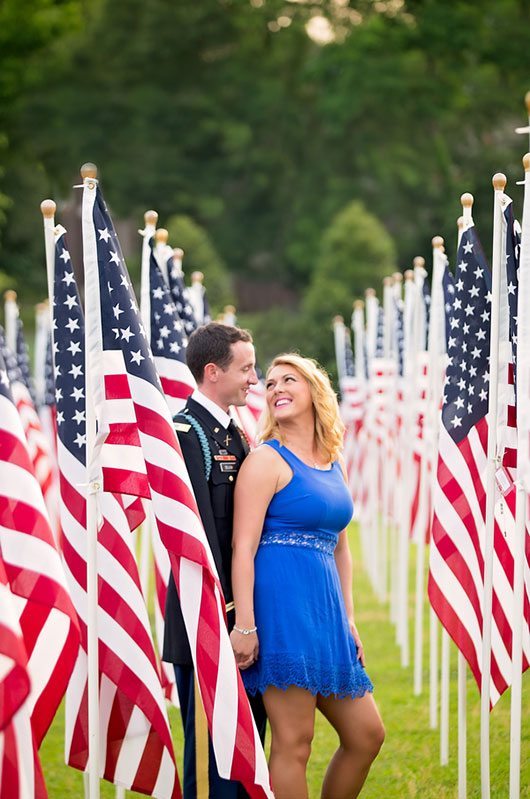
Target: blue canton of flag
(168,327)
(399,334)
(380,333)
(69,355)
(448,285)
(467,376)
(14,374)
(23,360)
(49,379)
(349,362)
(513,246)
(426,292)
(179,294)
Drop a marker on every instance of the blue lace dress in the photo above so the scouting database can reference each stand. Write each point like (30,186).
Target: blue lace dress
(304,636)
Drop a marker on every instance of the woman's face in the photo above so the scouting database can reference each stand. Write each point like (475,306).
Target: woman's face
(288,393)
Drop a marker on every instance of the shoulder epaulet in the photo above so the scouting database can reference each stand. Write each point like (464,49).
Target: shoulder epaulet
(185,427)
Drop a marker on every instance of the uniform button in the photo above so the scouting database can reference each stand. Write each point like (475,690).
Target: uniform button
(231,478)
(216,429)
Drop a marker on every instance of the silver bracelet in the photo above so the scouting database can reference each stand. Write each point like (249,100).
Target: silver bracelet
(245,630)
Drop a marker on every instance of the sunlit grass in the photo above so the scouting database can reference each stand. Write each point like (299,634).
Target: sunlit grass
(409,764)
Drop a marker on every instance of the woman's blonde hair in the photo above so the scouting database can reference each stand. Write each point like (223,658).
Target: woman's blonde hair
(329,429)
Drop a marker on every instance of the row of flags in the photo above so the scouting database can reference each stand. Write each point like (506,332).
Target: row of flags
(130,462)
(417,392)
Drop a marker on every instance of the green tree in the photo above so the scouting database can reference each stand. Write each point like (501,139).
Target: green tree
(356,253)
(200,255)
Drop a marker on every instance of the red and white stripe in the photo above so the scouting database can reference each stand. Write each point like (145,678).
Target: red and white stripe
(238,750)
(248,415)
(20,770)
(36,575)
(457,559)
(39,451)
(134,729)
(162,570)
(177,382)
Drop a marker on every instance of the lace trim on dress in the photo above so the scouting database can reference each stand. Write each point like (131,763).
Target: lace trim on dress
(323,542)
(283,671)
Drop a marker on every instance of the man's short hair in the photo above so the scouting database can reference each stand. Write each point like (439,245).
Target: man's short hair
(212,343)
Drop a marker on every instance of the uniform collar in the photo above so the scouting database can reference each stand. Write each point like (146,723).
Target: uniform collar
(212,407)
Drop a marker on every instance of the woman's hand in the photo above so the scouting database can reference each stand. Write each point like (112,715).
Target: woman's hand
(246,648)
(358,642)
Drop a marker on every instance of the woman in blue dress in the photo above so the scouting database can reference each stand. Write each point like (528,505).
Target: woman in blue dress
(295,638)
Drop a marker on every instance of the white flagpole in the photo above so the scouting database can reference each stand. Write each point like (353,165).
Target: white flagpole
(89,175)
(397,496)
(42,315)
(499,182)
(372,307)
(523,486)
(338,335)
(196,296)
(463,223)
(11,316)
(419,333)
(387,465)
(526,128)
(150,220)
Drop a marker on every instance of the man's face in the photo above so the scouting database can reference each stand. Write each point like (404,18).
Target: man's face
(233,383)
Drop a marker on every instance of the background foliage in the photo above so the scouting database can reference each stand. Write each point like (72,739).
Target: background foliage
(227,112)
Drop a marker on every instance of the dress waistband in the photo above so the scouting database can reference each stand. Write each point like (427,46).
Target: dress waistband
(323,542)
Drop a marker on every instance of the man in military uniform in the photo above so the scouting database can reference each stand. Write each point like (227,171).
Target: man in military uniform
(222,361)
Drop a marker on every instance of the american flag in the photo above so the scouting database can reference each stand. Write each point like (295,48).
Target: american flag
(134,730)
(456,583)
(37,440)
(168,340)
(179,292)
(134,418)
(22,353)
(20,769)
(34,570)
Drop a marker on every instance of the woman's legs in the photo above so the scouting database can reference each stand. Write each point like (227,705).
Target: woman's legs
(291,715)
(361,735)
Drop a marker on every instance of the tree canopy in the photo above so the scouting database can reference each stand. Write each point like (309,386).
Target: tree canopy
(229,113)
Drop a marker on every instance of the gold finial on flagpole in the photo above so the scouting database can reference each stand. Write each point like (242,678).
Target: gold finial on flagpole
(197,277)
(161,235)
(526,160)
(370,293)
(178,252)
(151,218)
(499,181)
(527,102)
(397,277)
(10,295)
(437,243)
(467,200)
(338,320)
(48,209)
(358,305)
(230,309)
(419,260)
(89,170)
(460,222)
(409,274)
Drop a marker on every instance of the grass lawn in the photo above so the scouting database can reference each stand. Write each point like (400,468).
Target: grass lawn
(408,765)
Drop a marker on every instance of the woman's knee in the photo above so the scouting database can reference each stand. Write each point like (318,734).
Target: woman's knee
(293,744)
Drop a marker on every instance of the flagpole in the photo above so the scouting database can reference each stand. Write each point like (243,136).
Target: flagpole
(523,487)
(372,305)
(196,293)
(463,222)
(499,183)
(150,220)
(526,128)
(11,316)
(39,361)
(419,334)
(89,175)
(338,335)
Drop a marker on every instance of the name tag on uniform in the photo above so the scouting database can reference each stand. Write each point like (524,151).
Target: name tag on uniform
(224,458)
(228,467)
(180,427)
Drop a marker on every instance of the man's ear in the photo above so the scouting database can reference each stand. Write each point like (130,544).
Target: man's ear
(211,372)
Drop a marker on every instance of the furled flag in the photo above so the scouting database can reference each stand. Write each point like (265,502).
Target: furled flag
(168,340)
(34,570)
(134,731)
(134,420)
(179,292)
(20,770)
(456,583)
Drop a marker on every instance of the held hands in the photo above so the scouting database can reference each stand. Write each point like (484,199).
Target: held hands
(358,642)
(245,646)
